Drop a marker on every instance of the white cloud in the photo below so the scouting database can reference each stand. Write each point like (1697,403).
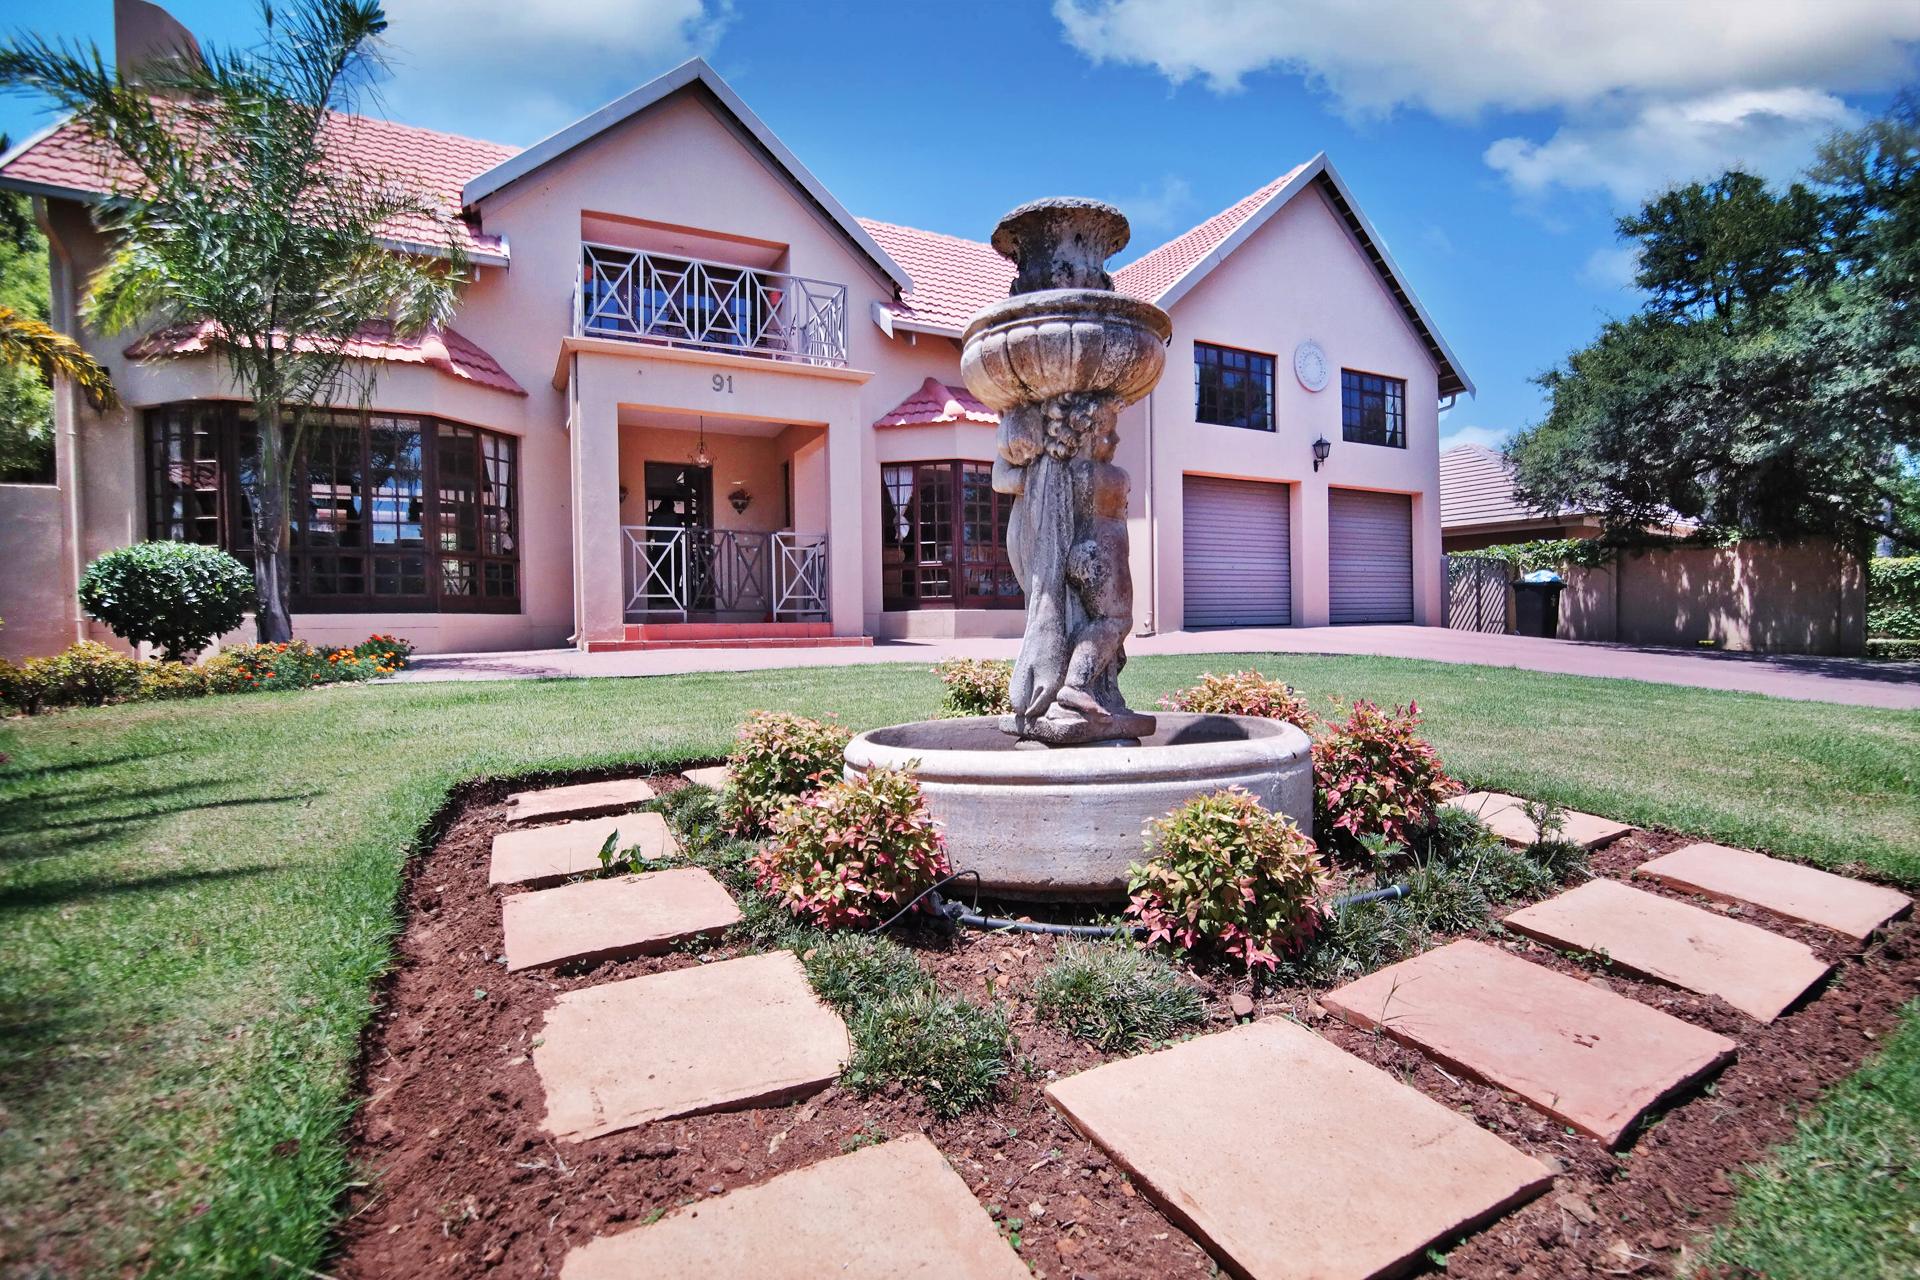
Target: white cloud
(1457,59)
(1491,437)
(516,70)
(1161,206)
(1612,268)
(1630,153)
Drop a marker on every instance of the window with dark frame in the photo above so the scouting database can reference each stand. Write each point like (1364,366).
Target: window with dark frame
(387,512)
(1373,409)
(943,538)
(1232,388)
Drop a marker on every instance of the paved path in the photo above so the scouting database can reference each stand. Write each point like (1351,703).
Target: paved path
(1848,680)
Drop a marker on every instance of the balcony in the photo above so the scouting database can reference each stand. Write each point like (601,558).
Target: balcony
(709,306)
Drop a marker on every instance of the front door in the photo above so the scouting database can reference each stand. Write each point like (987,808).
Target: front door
(679,505)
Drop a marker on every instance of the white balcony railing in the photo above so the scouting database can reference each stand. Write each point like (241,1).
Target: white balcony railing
(714,306)
(675,570)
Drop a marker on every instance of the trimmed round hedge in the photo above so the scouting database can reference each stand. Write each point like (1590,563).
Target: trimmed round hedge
(177,595)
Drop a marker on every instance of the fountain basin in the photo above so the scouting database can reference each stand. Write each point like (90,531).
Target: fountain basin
(1062,824)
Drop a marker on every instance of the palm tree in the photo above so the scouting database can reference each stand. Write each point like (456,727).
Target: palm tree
(25,341)
(232,216)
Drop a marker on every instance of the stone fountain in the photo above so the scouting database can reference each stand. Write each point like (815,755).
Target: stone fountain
(1050,801)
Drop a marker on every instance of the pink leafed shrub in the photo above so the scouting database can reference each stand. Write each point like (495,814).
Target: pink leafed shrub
(1374,775)
(1243,693)
(1228,875)
(776,756)
(852,853)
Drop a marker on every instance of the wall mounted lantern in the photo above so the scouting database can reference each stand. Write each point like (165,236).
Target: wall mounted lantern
(1320,451)
(741,500)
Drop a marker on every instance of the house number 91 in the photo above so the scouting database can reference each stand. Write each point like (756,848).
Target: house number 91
(723,382)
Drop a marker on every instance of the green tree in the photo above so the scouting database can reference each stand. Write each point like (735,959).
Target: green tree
(1771,383)
(26,401)
(233,214)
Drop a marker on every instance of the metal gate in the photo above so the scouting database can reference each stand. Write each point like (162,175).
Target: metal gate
(1477,592)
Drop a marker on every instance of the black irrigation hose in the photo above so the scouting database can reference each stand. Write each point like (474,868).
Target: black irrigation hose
(972,919)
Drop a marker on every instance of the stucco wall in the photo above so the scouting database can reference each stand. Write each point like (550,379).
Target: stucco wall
(1754,596)
(1299,276)
(35,604)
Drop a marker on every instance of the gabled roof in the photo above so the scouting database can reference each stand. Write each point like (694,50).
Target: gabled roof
(1476,488)
(937,404)
(1152,275)
(445,349)
(692,72)
(952,277)
(65,161)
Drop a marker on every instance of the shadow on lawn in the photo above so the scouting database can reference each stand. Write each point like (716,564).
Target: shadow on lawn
(54,893)
(30,826)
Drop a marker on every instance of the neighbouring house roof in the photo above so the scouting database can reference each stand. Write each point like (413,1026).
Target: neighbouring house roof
(445,349)
(952,277)
(694,71)
(936,404)
(65,161)
(1476,488)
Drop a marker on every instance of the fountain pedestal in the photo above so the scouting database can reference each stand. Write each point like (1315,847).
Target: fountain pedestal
(1051,800)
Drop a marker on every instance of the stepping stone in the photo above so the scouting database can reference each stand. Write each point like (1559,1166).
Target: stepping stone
(714,775)
(885,1211)
(1757,972)
(715,1037)
(1846,906)
(1288,1157)
(611,919)
(1506,818)
(548,855)
(584,800)
(1586,1057)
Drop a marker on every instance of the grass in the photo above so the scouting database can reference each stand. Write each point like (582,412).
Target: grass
(1114,996)
(195,898)
(949,1050)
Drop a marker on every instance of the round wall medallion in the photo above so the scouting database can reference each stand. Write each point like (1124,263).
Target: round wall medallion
(1310,365)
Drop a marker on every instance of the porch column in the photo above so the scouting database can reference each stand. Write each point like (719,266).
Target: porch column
(846,532)
(598,546)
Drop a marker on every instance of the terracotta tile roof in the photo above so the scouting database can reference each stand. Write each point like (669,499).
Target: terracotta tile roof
(935,404)
(446,350)
(952,278)
(438,164)
(1151,275)
(1476,487)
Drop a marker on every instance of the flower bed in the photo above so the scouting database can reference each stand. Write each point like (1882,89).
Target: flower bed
(91,674)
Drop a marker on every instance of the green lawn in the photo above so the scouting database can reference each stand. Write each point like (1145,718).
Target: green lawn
(196,897)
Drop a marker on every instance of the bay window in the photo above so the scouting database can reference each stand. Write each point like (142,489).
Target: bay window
(943,538)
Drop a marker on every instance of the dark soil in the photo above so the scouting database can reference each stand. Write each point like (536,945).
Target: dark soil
(460,1180)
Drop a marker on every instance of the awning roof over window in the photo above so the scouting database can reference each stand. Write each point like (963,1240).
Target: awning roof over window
(937,404)
(443,349)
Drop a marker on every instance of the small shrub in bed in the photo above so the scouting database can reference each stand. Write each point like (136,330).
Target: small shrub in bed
(1228,875)
(161,680)
(854,971)
(975,686)
(177,595)
(1373,775)
(84,674)
(777,756)
(854,852)
(950,1051)
(1115,996)
(1243,693)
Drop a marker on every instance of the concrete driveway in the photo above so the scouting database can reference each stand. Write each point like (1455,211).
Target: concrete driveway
(1854,681)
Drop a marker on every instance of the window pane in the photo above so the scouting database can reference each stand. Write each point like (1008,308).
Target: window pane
(1373,409)
(1232,388)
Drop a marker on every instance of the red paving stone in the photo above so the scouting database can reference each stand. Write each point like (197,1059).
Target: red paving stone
(1586,1057)
(614,918)
(1757,972)
(1506,818)
(895,1210)
(1285,1156)
(548,855)
(1846,906)
(714,1037)
(582,800)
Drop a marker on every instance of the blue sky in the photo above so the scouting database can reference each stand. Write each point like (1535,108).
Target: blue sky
(1491,142)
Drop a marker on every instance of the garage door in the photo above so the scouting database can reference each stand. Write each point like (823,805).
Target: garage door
(1237,553)
(1369,556)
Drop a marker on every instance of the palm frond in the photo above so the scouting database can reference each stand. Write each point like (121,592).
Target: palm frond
(26,341)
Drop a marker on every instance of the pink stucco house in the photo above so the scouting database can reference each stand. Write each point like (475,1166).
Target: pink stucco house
(689,397)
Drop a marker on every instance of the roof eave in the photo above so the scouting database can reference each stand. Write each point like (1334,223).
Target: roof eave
(694,70)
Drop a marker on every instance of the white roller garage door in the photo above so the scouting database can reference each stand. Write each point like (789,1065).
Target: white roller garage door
(1237,553)
(1369,556)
